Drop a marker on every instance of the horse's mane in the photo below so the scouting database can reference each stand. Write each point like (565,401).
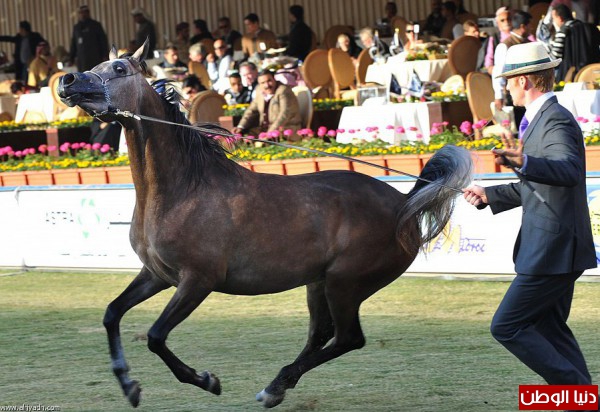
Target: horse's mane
(198,150)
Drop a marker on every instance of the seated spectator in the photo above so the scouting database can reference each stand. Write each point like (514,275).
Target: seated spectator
(347,44)
(42,66)
(237,93)
(373,43)
(225,32)
(411,38)
(201,32)
(300,36)
(190,87)
(218,66)
(255,35)
(171,67)
(471,28)
(249,74)
(575,42)
(435,21)
(197,53)
(274,108)
(18,88)
(452,28)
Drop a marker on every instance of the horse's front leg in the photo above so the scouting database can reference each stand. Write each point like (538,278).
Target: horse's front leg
(190,293)
(144,286)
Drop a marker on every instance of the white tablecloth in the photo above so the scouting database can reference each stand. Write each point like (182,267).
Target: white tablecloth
(582,103)
(408,115)
(428,70)
(41,102)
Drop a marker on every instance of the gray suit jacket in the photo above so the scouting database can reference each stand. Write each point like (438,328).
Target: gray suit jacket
(550,243)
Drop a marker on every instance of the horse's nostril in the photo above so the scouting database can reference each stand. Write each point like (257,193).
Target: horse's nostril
(69,79)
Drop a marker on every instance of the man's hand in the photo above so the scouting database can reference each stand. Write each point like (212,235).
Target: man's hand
(475,195)
(512,152)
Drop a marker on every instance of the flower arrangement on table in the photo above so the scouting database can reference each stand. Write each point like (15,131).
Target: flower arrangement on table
(450,96)
(11,125)
(237,110)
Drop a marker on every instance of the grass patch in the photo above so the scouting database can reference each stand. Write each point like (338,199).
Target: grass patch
(428,348)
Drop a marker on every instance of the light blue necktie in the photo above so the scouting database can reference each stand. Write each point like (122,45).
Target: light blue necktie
(522,127)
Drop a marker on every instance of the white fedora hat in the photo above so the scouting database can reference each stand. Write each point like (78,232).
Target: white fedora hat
(527,58)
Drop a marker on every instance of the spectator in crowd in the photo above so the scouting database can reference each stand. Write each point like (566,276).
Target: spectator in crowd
(519,34)
(577,43)
(18,88)
(504,25)
(171,67)
(461,13)
(232,37)
(372,42)
(182,39)
(249,74)
(411,38)
(255,35)
(275,108)
(347,44)
(471,28)
(390,12)
(145,30)
(237,93)
(218,66)
(452,28)
(42,67)
(435,21)
(25,42)
(190,87)
(300,36)
(89,44)
(201,32)
(197,53)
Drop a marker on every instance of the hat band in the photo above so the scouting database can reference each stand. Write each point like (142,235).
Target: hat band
(509,67)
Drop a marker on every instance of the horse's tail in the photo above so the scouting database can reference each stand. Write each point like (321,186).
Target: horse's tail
(431,204)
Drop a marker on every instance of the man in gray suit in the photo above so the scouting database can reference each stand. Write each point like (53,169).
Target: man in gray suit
(555,243)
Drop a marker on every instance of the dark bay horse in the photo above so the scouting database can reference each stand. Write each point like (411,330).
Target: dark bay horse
(204,224)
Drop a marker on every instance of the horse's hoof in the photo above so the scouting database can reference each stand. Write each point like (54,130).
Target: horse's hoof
(134,392)
(269,400)
(213,385)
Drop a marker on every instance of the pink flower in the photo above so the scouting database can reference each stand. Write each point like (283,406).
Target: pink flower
(445,124)
(288,132)
(18,153)
(435,130)
(42,148)
(413,129)
(96,146)
(584,120)
(351,131)
(274,134)
(331,133)
(389,127)
(51,148)
(64,147)
(87,146)
(480,124)
(263,135)
(105,148)
(597,119)
(466,127)
(341,130)
(31,151)
(322,131)
(400,129)
(82,144)
(419,135)
(75,146)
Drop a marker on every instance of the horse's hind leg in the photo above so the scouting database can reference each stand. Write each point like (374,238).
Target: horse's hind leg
(320,330)
(188,296)
(348,336)
(144,286)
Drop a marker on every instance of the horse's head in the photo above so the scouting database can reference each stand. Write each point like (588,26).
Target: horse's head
(108,87)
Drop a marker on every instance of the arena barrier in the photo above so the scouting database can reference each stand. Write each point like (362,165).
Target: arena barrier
(87,227)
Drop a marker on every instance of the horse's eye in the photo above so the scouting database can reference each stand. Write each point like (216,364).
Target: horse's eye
(119,68)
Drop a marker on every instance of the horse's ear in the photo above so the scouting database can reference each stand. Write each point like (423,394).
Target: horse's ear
(141,53)
(113,54)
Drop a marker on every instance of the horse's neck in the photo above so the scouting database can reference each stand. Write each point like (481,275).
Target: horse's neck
(153,157)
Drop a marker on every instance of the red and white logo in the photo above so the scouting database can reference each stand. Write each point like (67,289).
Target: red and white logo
(558,397)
